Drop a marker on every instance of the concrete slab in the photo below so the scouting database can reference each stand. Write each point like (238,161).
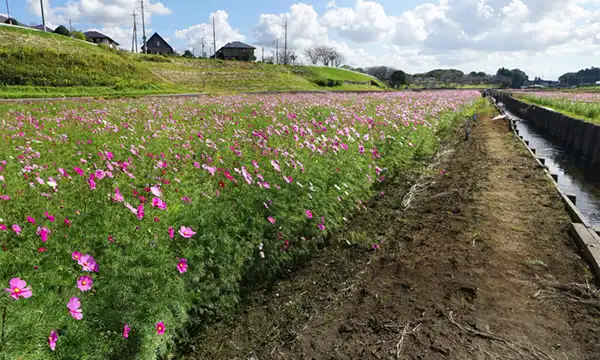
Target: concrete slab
(589,244)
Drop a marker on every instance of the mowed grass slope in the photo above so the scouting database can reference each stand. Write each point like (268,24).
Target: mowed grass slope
(37,64)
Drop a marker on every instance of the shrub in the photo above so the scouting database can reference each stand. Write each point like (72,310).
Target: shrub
(78,35)
(62,31)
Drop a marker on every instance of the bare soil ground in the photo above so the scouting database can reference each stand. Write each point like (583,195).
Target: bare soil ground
(479,266)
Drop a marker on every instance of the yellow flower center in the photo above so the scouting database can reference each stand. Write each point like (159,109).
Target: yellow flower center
(17,290)
(83,282)
(85,264)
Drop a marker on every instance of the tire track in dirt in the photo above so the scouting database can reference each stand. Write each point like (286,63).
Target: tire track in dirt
(480,267)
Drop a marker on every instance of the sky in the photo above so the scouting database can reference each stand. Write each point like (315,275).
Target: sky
(544,38)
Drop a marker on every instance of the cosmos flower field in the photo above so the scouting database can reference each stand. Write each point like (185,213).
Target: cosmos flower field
(124,222)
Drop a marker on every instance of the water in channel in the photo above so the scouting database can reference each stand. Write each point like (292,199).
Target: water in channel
(574,177)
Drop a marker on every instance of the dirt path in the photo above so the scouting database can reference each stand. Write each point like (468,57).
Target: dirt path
(480,266)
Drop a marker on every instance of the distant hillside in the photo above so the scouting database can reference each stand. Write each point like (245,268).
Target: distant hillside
(34,63)
(584,76)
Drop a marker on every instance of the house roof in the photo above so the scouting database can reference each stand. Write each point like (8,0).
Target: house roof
(3,19)
(97,35)
(153,39)
(237,45)
(41,27)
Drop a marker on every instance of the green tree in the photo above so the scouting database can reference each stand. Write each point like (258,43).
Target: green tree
(78,35)
(398,78)
(504,72)
(188,54)
(62,31)
(518,78)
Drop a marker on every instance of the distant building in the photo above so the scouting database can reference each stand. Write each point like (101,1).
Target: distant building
(41,28)
(157,45)
(236,51)
(3,19)
(99,38)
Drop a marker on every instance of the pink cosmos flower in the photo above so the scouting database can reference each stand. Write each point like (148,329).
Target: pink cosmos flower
(92,183)
(74,306)
(131,208)
(43,233)
(288,179)
(156,191)
(186,232)
(30,220)
(118,196)
(156,202)
(126,330)
(78,171)
(85,283)
(140,211)
(160,328)
(375,246)
(52,339)
(76,255)
(171,232)
(321,225)
(68,222)
(87,262)
(309,214)
(100,174)
(18,288)
(182,266)
(271,220)
(275,165)
(3,227)
(49,217)
(16,228)
(361,149)
(63,172)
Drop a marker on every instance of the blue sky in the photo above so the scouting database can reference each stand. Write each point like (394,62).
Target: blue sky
(542,37)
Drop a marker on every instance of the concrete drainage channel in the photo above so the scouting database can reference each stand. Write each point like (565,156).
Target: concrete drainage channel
(585,229)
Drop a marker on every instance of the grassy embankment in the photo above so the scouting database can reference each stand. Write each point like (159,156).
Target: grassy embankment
(36,64)
(580,106)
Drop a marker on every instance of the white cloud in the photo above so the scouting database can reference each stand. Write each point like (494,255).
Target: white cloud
(366,22)
(224,33)
(109,13)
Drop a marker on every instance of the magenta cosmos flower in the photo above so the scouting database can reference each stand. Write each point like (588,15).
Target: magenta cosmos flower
(271,220)
(186,232)
(43,233)
(74,306)
(182,265)
(76,255)
(30,220)
(52,339)
(18,288)
(126,330)
(85,283)
(140,212)
(171,232)
(309,214)
(160,328)
(16,228)
(156,202)
(118,196)
(87,262)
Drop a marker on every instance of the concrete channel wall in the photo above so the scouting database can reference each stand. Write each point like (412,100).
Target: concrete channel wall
(586,237)
(581,137)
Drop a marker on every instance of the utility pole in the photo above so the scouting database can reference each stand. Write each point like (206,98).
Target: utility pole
(144,29)
(276,57)
(203,53)
(134,43)
(43,18)
(285,57)
(8,13)
(214,38)
(70,26)
(263,54)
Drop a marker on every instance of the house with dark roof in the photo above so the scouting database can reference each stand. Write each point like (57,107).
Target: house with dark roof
(157,45)
(236,51)
(99,38)
(41,28)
